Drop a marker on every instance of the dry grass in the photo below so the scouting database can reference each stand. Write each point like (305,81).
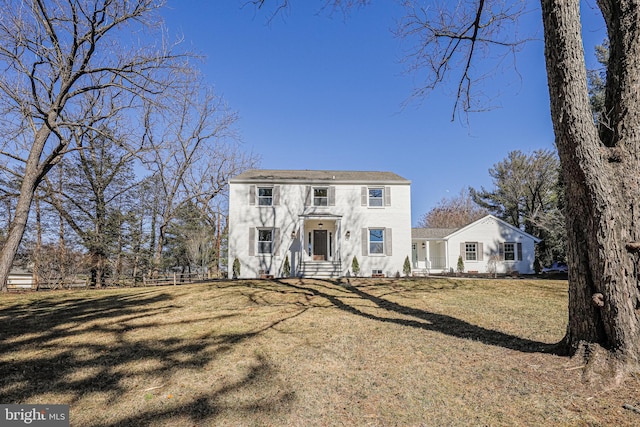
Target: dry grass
(432,352)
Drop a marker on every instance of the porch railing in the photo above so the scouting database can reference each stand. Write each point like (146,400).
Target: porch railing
(437,262)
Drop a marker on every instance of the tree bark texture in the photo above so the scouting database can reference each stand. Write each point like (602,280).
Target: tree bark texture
(601,171)
(34,171)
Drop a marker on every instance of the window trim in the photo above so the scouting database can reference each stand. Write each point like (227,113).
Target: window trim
(381,198)
(468,252)
(379,244)
(260,242)
(317,198)
(512,252)
(261,197)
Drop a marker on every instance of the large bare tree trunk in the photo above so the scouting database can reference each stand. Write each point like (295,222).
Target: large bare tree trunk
(38,249)
(602,175)
(33,174)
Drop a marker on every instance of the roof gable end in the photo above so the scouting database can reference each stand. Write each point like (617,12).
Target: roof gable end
(499,221)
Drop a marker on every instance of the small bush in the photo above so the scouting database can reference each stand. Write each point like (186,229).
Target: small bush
(236,268)
(406,268)
(460,266)
(355,266)
(286,268)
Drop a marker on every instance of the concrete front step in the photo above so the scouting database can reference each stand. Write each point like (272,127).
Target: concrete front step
(320,269)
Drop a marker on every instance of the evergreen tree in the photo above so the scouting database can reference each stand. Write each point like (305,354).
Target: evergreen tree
(286,269)
(236,268)
(406,268)
(528,194)
(597,80)
(355,266)
(93,194)
(189,241)
(460,265)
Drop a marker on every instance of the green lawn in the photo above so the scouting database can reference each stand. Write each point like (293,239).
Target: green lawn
(406,352)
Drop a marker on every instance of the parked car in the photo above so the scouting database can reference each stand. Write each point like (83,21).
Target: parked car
(556,267)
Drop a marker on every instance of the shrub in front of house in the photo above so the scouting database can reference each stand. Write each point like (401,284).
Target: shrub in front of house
(355,266)
(406,268)
(460,266)
(286,268)
(236,268)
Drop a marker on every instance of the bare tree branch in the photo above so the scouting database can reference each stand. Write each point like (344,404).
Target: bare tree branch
(51,55)
(456,38)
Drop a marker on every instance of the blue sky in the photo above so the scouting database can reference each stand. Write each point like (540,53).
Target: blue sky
(321,91)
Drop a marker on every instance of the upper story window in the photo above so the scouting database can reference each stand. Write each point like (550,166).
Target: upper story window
(265,196)
(376,196)
(321,196)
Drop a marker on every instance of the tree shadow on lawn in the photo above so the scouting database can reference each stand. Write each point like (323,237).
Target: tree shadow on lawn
(423,319)
(211,405)
(77,346)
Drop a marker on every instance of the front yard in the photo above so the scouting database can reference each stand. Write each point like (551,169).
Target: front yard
(408,352)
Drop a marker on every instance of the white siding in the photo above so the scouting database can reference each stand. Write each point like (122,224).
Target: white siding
(348,211)
(489,233)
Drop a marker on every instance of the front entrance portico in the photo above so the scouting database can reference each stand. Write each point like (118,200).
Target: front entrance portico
(319,235)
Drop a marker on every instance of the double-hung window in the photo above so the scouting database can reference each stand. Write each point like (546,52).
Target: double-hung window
(509,252)
(376,196)
(471,251)
(376,241)
(265,241)
(321,196)
(265,196)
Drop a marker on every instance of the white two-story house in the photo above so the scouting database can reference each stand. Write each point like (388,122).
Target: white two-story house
(319,221)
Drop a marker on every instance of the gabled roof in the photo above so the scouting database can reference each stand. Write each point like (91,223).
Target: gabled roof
(503,223)
(446,233)
(431,233)
(276,175)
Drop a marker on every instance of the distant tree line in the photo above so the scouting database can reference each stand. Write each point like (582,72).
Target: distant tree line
(114,154)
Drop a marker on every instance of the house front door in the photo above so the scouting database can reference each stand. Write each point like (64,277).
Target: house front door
(320,244)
